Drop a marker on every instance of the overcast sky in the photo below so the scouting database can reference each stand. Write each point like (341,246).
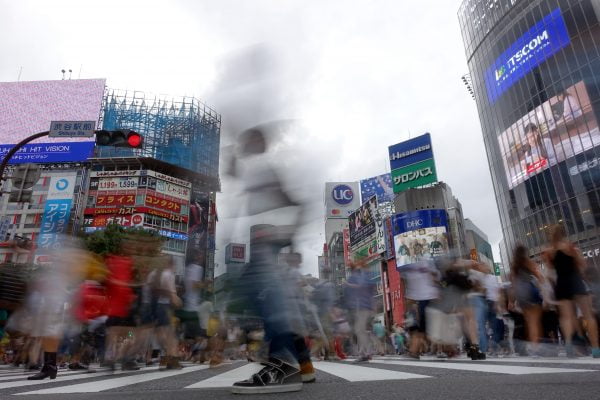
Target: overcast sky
(356,76)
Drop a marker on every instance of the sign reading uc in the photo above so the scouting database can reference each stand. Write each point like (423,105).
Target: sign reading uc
(545,38)
(342,194)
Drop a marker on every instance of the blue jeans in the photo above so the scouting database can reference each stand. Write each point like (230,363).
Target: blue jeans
(480,309)
(266,287)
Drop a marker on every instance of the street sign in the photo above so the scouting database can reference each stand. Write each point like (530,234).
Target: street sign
(72,128)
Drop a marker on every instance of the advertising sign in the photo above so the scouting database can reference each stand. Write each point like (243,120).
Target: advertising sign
(341,199)
(132,220)
(57,211)
(173,190)
(49,152)
(558,129)
(414,175)
(410,151)
(380,186)
(163,204)
(235,253)
(363,226)
(118,183)
(172,235)
(346,239)
(27,108)
(419,236)
(112,200)
(366,251)
(544,39)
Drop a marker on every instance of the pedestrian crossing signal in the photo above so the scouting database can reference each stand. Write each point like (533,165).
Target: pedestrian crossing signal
(119,138)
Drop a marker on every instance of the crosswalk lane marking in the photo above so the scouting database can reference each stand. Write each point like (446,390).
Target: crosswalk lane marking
(355,373)
(21,375)
(228,378)
(61,378)
(480,367)
(98,386)
(584,361)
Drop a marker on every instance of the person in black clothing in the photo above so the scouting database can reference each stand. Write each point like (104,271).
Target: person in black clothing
(570,289)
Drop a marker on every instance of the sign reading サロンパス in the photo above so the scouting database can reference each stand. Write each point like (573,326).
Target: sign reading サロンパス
(412,163)
(419,174)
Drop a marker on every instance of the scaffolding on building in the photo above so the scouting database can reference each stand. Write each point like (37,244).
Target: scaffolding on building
(181,131)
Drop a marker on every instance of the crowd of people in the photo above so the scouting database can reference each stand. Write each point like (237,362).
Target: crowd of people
(126,310)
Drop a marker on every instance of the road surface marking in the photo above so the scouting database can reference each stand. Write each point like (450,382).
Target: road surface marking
(98,386)
(227,379)
(355,373)
(478,367)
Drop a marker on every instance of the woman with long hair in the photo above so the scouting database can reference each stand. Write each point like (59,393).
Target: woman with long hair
(570,289)
(523,273)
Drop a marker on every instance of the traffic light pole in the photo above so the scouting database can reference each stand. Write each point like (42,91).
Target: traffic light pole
(16,148)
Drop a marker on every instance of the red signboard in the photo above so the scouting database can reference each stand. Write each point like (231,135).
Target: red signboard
(163,204)
(110,210)
(100,221)
(115,200)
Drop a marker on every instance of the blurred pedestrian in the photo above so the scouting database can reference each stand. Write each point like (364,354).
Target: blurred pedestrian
(570,289)
(360,292)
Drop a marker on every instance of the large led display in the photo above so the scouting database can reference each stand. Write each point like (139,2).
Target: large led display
(542,40)
(27,108)
(555,131)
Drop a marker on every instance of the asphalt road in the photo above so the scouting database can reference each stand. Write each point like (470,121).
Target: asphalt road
(384,378)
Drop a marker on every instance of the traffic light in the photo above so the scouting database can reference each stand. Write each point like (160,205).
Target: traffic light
(120,138)
(23,178)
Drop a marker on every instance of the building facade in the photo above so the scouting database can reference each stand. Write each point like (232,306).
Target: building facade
(478,244)
(535,71)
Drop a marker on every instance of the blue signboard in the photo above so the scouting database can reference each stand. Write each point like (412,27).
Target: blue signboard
(49,152)
(380,186)
(173,235)
(410,221)
(411,151)
(54,223)
(545,38)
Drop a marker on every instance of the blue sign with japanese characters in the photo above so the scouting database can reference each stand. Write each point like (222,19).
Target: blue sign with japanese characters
(49,152)
(57,211)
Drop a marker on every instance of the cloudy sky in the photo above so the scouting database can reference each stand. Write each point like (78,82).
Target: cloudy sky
(354,76)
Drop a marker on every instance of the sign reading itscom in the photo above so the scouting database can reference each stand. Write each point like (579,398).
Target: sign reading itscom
(341,199)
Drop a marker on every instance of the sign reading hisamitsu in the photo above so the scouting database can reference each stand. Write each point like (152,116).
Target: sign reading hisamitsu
(544,39)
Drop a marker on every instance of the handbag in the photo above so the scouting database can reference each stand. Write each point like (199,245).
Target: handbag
(443,328)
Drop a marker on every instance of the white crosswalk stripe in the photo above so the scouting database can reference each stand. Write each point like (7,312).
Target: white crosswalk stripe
(113,383)
(379,369)
(479,367)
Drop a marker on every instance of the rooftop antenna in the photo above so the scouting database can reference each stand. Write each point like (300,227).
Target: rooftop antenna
(70,73)
(20,71)
(63,74)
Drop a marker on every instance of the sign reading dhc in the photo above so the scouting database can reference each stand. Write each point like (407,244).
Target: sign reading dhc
(544,39)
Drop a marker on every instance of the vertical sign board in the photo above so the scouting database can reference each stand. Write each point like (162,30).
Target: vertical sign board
(57,211)
(235,253)
(412,163)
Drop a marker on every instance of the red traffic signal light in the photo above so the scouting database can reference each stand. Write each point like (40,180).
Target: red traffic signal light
(119,138)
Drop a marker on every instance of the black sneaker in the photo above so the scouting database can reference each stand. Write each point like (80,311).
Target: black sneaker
(276,377)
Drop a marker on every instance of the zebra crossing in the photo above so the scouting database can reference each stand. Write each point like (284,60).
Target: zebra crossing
(201,377)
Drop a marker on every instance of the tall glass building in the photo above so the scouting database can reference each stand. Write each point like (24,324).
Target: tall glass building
(535,70)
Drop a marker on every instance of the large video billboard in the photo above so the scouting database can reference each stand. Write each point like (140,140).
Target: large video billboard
(555,131)
(545,38)
(420,236)
(341,199)
(380,186)
(27,108)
